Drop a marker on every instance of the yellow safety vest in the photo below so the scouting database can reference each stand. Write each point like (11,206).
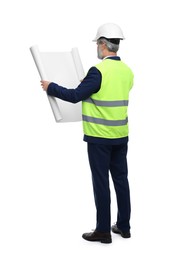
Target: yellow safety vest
(105,112)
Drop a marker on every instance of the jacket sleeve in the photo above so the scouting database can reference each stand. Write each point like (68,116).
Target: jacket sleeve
(90,84)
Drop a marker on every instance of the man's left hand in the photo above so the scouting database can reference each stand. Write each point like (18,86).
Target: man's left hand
(45,84)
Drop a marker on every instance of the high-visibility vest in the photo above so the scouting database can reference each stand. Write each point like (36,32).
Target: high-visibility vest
(104,114)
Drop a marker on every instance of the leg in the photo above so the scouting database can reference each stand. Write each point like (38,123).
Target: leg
(99,159)
(119,172)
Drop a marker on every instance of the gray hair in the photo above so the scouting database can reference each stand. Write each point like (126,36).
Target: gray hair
(110,46)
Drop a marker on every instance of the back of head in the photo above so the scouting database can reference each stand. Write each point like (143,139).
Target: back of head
(111,44)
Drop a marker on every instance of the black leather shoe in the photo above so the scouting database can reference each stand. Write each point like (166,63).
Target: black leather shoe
(124,234)
(98,236)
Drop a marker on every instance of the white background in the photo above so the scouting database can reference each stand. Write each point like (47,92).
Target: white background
(46,199)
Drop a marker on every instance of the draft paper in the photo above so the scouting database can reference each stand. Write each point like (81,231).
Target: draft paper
(65,69)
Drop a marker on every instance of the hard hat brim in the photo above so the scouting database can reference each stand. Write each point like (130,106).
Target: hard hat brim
(95,40)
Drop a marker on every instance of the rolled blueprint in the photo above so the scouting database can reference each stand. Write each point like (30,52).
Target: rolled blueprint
(65,69)
(78,63)
(37,59)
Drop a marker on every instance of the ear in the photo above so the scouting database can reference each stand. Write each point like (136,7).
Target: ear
(103,46)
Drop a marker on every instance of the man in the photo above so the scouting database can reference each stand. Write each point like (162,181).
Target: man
(104,93)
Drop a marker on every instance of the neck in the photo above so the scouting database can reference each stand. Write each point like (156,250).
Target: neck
(109,54)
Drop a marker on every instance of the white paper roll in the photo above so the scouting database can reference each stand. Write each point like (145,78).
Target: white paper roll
(37,59)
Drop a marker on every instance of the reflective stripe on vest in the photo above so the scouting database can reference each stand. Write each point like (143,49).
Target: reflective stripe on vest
(101,103)
(104,121)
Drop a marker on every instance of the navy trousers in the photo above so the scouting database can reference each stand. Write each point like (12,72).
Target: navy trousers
(104,159)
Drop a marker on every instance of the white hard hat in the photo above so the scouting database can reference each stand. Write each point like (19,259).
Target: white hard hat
(109,31)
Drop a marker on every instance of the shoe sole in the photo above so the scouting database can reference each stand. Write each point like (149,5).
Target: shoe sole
(104,240)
